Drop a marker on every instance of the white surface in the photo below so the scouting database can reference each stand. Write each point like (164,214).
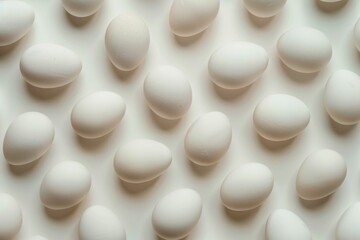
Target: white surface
(134,208)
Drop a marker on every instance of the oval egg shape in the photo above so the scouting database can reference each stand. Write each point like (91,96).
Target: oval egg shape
(208,138)
(320,175)
(264,9)
(348,227)
(16,19)
(280,117)
(98,222)
(283,224)
(82,8)
(191,17)
(142,160)
(127,41)
(237,65)
(49,66)
(168,92)
(304,49)
(177,213)
(97,114)
(28,138)
(247,187)
(65,185)
(10,217)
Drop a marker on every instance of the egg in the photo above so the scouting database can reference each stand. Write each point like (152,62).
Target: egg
(98,222)
(177,213)
(208,138)
(81,8)
(97,114)
(320,175)
(348,227)
(341,97)
(190,17)
(304,49)
(65,185)
(283,224)
(127,41)
(49,66)
(280,117)
(357,34)
(237,65)
(16,19)
(10,217)
(168,92)
(28,138)
(37,238)
(264,9)
(247,187)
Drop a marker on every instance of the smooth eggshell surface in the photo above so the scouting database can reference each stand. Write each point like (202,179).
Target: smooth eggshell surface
(280,117)
(190,17)
(304,49)
(28,138)
(16,19)
(247,187)
(320,174)
(65,185)
(348,225)
(82,8)
(264,9)
(10,217)
(49,66)
(177,213)
(168,92)
(100,223)
(127,41)
(97,114)
(142,160)
(208,138)
(237,65)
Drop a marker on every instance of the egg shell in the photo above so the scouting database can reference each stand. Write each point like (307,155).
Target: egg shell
(237,65)
(321,174)
(348,224)
(65,185)
(28,138)
(208,138)
(49,66)
(10,217)
(127,41)
(280,117)
(191,17)
(247,187)
(283,224)
(97,114)
(98,222)
(264,9)
(82,8)
(304,49)
(177,213)
(16,19)
(168,92)
(37,238)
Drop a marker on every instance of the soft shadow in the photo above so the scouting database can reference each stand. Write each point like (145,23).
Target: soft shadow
(241,216)
(126,76)
(186,41)
(23,169)
(165,124)
(46,93)
(199,170)
(136,188)
(339,128)
(60,214)
(298,76)
(274,145)
(230,94)
(330,7)
(258,21)
(79,21)
(95,144)
(4,50)
(312,204)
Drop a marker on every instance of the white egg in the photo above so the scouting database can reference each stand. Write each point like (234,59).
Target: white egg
(348,225)
(97,114)
(208,138)
(342,97)
(142,160)
(280,117)
(49,66)
(264,9)
(37,238)
(100,223)
(81,8)
(247,187)
(190,17)
(237,65)
(321,174)
(127,41)
(28,138)
(177,213)
(168,92)
(16,19)
(304,49)
(357,34)
(10,217)
(65,185)
(283,224)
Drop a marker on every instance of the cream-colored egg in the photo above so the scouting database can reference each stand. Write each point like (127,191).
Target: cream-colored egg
(82,8)
(264,9)
(10,217)
(348,227)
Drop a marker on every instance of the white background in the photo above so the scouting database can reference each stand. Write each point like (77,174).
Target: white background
(133,205)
